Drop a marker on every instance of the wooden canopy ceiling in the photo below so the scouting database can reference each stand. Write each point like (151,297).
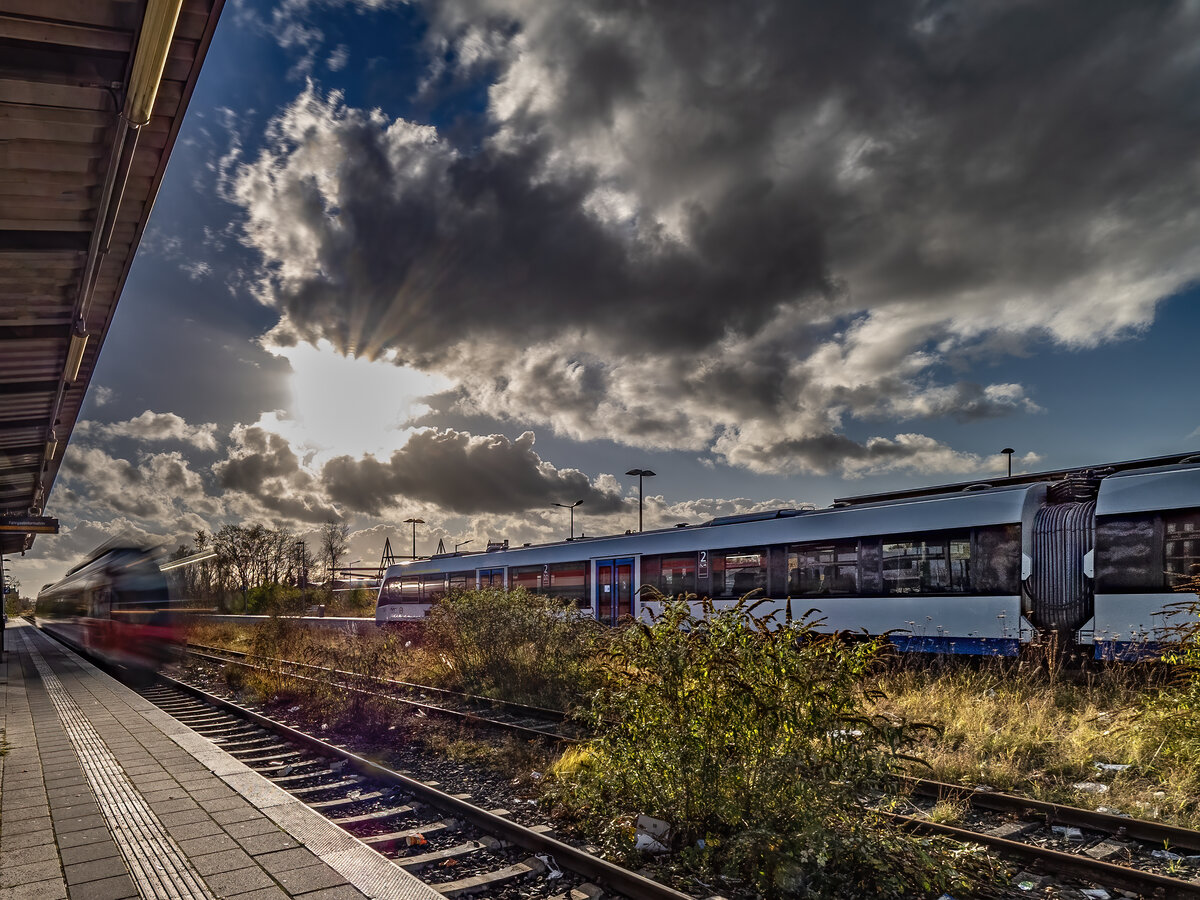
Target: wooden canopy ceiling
(77,182)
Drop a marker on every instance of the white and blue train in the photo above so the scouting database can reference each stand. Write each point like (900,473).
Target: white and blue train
(1093,557)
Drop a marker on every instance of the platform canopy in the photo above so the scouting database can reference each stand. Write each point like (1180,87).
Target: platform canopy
(92,95)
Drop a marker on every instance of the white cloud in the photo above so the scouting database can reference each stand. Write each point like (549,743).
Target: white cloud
(154,427)
(338,58)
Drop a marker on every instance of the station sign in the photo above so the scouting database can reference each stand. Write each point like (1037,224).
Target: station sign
(28,525)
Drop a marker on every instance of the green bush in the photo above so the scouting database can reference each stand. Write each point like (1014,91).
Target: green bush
(275,600)
(513,645)
(358,602)
(1175,711)
(753,743)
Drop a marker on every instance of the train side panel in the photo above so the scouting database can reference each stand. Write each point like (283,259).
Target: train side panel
(1147,551)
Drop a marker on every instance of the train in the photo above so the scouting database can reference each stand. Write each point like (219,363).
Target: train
(1089,559)
(117,606)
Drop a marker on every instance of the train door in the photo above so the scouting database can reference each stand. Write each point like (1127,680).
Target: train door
(491,578)
(614,589)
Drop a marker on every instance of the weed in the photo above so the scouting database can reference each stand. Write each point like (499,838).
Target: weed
(948,812)
(756,745)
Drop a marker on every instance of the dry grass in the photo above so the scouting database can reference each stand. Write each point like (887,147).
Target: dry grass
(1027,732)
(1012,726)
(386,654)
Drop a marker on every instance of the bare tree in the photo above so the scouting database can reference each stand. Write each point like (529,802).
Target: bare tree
(334,542)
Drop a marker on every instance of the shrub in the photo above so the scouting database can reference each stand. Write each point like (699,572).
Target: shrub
(1175,711)
(513,645)
(754,744)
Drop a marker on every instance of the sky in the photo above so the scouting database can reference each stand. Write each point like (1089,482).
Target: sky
(463,260)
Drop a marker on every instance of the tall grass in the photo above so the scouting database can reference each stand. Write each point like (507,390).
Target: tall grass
(1042,732)
(757,746)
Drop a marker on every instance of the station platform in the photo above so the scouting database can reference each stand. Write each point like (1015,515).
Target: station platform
(104,796)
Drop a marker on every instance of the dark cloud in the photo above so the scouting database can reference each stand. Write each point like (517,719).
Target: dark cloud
(433,248)
(734,227)
(262,455)
(465,474)
(263,467)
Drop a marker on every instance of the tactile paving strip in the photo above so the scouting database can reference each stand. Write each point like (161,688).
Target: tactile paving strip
(158,866)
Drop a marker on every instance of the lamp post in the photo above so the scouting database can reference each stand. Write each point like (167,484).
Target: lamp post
(462,544)
(571,507)
(414,523)
(1009,451)
(640,473)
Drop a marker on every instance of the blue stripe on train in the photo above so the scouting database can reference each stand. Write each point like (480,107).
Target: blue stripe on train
(963,646)
(1127,651)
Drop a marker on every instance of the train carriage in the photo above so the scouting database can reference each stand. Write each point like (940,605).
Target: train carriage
(966,569)
(117,606)
(1147,548)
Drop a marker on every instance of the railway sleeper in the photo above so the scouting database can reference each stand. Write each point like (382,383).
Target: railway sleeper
(321,788)
(223,734)
(416,863)
(479,883)
(347,801)
(586,891)
(247,743)
(1015,830)
(167,700)
(394,837)
(279,754)
(201,717)
(283,780)
(376,816)
(1110,849)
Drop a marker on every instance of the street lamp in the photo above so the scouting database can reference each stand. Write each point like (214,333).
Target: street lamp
(571,507)
(640,473)
(1009,451)
(414,523)
(462,544)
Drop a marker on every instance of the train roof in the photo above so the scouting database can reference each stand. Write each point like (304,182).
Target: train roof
(992,506)
(1160,487)
(1163,482)
(1100,470)
(109,548)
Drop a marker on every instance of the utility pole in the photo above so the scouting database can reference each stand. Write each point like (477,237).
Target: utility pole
(414,523)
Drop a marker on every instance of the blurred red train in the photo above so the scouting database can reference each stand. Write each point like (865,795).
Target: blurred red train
(117,606)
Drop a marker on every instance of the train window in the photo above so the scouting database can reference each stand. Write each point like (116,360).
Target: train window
(528,577)
(433,588)
(738,572)
(460,581)
(670,575)
(568,581)
(410,589)
(491,578)
(933,564)
(1181,547)
(823,569)
(389,592)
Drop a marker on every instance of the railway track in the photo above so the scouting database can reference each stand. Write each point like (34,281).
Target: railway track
(444,839)
(1114,852)
(520,719)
